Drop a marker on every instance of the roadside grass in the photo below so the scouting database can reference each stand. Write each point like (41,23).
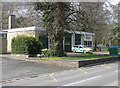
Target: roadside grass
(80,57)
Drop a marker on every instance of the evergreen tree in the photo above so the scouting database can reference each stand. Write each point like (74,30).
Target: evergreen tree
(54,22)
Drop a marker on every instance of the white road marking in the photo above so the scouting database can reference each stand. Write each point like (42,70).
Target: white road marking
(82,81)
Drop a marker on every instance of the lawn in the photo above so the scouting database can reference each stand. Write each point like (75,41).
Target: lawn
(79,57)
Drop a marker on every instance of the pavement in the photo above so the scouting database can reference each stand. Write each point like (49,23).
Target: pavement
(14,56)
(100,75)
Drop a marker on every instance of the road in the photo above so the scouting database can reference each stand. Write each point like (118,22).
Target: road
(100,75)
(13,68)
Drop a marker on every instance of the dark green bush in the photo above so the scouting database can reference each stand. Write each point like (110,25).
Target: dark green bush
(25,45)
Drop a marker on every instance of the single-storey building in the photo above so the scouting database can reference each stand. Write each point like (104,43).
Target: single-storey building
(70,37)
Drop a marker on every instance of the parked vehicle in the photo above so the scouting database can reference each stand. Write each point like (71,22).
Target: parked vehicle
(81,48)
(99,46)
(102,48)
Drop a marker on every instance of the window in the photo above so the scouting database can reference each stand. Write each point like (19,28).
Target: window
(77,39)
(85,43)
(88,37)
(75,46)
(80,47)
(88,43)
(2,36)
(67,38)
(44,40)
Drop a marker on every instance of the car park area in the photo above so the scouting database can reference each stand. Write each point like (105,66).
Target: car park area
(14,68)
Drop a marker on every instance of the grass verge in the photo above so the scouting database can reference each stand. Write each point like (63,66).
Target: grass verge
(79,57)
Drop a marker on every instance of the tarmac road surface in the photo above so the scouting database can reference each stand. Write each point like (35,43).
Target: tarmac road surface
(14,68)
(100,75)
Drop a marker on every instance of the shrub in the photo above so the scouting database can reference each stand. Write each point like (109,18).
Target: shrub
(25,45)
(52,53)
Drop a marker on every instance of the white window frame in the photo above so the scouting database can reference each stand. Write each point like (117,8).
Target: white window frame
(87,43)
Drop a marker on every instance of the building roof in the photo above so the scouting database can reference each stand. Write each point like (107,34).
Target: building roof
(3,32)
(32,28)
(42,29)
(79,32)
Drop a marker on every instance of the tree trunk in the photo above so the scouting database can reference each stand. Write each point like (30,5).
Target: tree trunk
(59,28)
(56,34)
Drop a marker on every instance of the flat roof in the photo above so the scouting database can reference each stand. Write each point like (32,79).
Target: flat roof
(32,28)
(3,32)
(79,32)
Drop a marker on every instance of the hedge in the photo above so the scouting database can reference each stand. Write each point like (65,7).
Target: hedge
(25,45)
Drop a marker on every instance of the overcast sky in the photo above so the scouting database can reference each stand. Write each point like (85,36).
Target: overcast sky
(114,2)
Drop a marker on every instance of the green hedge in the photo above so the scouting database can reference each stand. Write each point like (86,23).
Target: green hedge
(25,45)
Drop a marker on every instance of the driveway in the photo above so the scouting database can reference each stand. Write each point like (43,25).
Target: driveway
(14,68)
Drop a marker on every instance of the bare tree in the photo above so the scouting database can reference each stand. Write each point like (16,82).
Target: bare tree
(25,14)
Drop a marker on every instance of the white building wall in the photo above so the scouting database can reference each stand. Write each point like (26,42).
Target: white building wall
(73,39)
(64,43)
(82,39)
(91,39)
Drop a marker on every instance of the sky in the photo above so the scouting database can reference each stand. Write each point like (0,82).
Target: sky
(114,2)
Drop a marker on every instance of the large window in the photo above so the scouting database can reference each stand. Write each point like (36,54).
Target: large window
(88,43)
(67,39)
(77,39)
(44,40)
